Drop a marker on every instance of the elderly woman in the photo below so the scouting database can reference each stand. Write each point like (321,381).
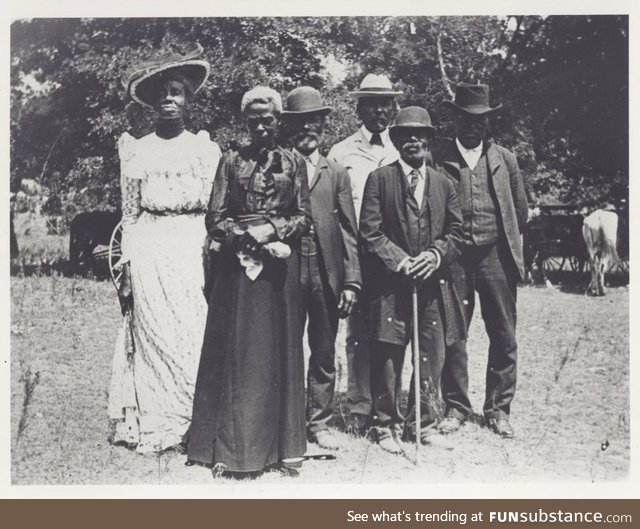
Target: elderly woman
(166,179)
(248,412)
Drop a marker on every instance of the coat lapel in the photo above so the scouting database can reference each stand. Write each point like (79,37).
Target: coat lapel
(452,159)
(320,169)
(400,187)
(494,161)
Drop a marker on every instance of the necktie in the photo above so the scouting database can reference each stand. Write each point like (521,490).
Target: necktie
(413,181)
(376,139)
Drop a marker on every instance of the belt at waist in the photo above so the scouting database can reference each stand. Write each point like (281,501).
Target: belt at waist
(173,213)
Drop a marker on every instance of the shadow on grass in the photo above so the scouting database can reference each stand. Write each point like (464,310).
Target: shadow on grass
(569,282)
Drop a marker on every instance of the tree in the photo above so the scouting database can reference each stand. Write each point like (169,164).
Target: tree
(563,81)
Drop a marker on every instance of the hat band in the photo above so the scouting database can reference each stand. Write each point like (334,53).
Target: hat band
(413,125)
(483,106)
(374,89)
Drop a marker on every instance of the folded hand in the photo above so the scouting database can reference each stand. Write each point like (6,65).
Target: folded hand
(423,265)
(262,233)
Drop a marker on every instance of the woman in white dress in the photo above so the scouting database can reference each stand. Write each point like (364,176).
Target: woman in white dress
(166,180)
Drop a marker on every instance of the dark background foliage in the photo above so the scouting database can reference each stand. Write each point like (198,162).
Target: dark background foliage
(563,81)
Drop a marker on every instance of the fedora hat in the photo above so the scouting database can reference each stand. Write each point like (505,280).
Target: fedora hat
(376,86)
(412,118)
(304,100)
(472,99)
(140,78)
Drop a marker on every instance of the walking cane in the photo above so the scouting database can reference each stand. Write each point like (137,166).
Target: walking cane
(415,349)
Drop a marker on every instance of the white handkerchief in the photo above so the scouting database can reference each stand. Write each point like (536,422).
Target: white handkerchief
(252,266)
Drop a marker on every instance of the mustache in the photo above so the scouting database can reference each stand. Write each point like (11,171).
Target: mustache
(302,135)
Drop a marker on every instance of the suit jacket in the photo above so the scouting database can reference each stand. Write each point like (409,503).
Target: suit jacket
(508,184)
(359,157)
(384,244)
(334,221)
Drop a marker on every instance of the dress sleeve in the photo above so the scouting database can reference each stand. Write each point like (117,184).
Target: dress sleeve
(210,158)
(130,184)
(220,224)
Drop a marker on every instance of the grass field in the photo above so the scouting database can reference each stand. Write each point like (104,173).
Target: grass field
(571,411)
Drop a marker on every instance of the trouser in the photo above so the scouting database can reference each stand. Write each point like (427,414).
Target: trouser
(387,361)
(490,271)
(319,303)
(358,367)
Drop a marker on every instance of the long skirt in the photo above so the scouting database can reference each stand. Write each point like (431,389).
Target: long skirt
(249,407)
(151,393)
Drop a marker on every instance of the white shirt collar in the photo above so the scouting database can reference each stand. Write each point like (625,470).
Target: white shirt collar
(384,135)
(406,168)
(463,150)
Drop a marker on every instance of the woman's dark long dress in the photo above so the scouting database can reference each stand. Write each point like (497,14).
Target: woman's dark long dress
(249,408)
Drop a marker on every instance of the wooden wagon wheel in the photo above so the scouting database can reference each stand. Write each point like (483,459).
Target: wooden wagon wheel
(576,264)
(552,264)
(115,252)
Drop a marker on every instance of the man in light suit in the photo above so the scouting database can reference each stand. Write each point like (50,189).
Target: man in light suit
(330,271)
(410,230)
(362,152)
(494,209)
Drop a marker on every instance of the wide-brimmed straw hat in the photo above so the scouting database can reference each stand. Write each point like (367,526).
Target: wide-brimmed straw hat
(140,78)
(412,118)
(304,100)
(376,86)
(472,99)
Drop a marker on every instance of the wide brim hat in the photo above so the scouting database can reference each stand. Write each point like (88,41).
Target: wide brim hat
(141,78)
(413,117)
(472,99)
(376,86)
(304,100)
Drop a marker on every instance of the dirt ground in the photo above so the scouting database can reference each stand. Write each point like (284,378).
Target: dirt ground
(571,410)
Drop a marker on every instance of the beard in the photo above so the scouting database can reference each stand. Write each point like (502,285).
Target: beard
(306,143)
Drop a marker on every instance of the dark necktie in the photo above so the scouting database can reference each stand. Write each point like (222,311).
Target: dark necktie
(376,139)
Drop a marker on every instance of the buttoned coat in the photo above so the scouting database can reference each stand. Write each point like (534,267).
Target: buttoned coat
(359,157)
(385,243)
(508,184)
(334,221)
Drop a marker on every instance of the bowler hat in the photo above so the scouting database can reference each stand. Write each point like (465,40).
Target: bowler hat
(376,86)
(472,99)
(140,78)
(412,118)
(304,100)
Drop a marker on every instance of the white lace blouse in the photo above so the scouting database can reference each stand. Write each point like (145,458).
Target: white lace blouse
(166,177)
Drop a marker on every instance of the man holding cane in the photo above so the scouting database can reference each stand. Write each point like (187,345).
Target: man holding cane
(410,229)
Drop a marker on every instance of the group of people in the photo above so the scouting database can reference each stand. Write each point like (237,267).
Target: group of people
(278,236)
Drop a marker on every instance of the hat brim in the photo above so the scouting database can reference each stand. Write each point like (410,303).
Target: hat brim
(197,71)
(322,110)
(476,110)
(412,125)
(375,93)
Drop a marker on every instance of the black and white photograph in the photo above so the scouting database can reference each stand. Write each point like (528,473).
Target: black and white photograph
(335,250)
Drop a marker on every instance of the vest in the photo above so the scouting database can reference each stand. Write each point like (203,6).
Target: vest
(478,204)
(419,232)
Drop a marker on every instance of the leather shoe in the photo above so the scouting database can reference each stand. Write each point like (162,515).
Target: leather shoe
(449,425)
(391,445)
(327,439)
(501,426)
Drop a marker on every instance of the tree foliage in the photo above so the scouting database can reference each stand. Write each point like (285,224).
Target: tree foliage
(563,81)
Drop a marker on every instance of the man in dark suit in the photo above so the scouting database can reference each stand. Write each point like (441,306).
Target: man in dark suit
(330,271)
(410,229)
(494,210)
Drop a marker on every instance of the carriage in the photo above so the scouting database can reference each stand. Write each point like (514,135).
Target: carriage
(553,241)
